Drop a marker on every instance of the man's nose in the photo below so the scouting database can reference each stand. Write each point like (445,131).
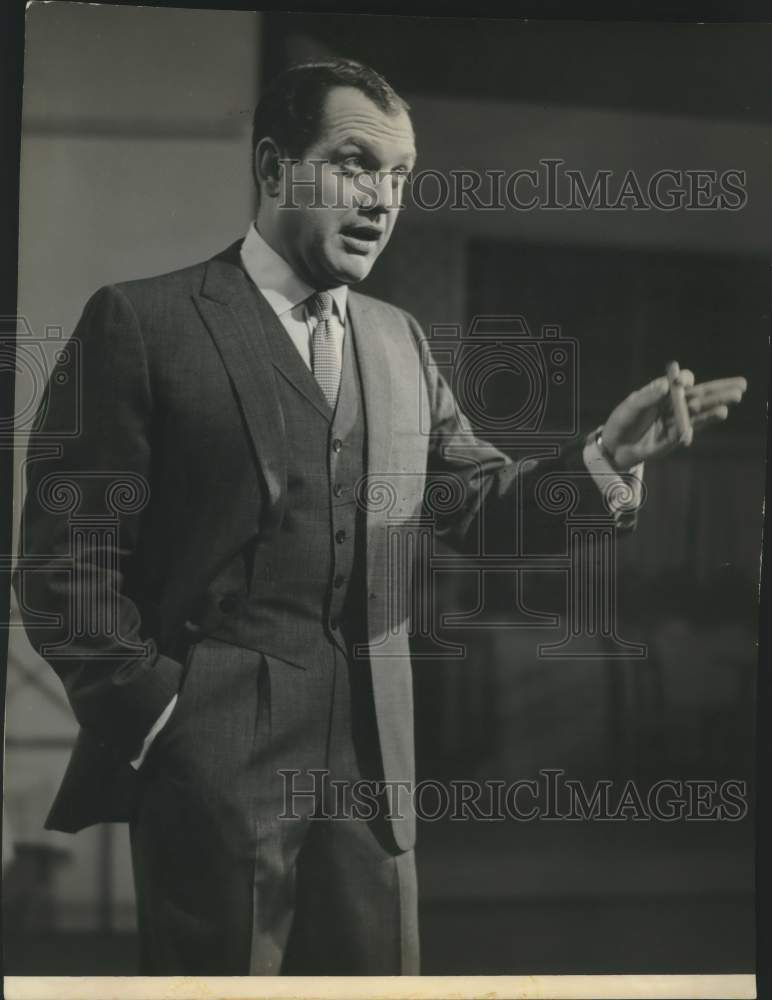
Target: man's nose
(375,193)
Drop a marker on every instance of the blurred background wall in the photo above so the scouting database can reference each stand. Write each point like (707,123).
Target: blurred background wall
(135,160)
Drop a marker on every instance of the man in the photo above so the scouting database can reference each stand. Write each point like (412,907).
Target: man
(257,434)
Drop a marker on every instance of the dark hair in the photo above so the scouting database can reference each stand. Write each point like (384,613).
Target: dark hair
(290,109)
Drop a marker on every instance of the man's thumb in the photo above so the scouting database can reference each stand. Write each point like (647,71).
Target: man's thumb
(653,392)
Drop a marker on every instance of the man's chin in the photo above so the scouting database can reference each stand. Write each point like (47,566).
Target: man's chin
(350,271)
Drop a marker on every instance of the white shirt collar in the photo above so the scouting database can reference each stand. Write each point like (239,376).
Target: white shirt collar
(282,288)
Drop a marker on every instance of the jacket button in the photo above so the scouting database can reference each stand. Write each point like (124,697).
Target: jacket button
(339,581)
(192,627)
(340,536)
(372,596)
(333,623)
(339,490)
(337,444)
(228,603)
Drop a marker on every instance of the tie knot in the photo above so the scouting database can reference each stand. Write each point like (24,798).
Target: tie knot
(320,306)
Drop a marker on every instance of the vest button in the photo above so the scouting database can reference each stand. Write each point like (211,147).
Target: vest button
(339,581)
(337,444)
(340,536)
(339,490)
(228,603)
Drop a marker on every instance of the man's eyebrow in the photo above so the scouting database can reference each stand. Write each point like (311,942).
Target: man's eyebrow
(362,143)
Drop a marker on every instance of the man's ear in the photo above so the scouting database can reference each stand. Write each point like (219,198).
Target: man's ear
(268,167)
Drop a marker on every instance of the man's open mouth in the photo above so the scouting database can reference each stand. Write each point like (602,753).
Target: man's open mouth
(360,239)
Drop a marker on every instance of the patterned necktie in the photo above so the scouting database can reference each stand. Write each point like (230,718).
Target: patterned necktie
(324,358)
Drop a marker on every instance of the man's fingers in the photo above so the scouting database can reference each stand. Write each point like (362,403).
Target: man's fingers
(699,404)
(671,438)
(704,397)
(714,394)
(728,385)
(712,416)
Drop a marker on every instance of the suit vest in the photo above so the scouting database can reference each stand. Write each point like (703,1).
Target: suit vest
(306,585)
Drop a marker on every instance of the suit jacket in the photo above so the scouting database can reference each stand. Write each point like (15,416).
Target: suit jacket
(180,453)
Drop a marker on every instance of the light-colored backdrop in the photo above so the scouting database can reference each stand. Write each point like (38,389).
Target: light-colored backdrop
(135,160)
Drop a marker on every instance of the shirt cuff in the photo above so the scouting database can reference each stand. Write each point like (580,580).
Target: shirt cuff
(158,725)
(622,489)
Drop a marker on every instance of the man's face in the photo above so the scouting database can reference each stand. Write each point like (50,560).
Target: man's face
(339,204)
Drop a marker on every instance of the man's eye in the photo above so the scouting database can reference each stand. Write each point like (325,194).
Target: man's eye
(353,163)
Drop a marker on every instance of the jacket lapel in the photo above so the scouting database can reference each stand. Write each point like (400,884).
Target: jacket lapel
(374,367)
(287,359)
(236,316)
(231,309)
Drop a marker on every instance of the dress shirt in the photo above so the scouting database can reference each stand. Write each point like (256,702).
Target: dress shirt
(286,294)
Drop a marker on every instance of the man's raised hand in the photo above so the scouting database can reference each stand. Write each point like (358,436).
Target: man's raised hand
(643,425)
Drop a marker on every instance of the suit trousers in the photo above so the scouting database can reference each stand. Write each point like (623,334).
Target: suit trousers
(247,859)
